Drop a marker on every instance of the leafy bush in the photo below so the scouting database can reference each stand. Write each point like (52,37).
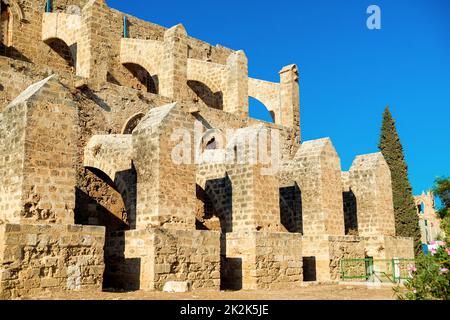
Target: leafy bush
(445,227)
(430,277)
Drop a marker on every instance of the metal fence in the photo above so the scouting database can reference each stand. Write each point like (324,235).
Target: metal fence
(387,270)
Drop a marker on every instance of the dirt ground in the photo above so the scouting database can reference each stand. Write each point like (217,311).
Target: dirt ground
(316,292)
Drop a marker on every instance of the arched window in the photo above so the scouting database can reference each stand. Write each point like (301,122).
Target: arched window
(211,144)
(421,208)
(258,110)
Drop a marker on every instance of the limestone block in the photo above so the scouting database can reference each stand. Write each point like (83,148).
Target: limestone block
(177,286)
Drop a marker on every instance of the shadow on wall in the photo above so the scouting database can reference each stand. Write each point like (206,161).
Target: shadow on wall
(211,99)
(68,54)
(89,212)
(309,269)
(350,213)
(291,208)
(120,273)
(231,273)
(126,182)
(220,191)
(89,94)
(217,201)
(13,53)
(145,81)
(112,205)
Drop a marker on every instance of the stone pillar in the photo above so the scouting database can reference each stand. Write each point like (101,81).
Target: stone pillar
(236,100)
(317,170)
(370,181)
(290,98)
(92,49)
(165,187)
(173,80)
(38,145)
(255,199)
(255,191)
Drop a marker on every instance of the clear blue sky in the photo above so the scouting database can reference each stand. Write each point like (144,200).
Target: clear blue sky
(348,73)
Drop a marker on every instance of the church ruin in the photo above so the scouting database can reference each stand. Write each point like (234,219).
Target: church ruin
(91,197)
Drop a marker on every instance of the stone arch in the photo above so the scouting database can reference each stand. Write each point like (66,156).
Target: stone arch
(132,123)
(124,183)
(99,201)
(68,53)
(216,193)
(206,215)
(211,147)
(61,32)
(258,110)
(141,69)
(15,8)
(210,74)
(217,134)
(207,91)
(145,79)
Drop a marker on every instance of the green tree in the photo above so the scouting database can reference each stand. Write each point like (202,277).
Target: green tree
(406,219)
(442,191)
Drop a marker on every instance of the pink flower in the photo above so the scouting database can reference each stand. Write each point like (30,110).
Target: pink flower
(448,251)
(433,251)
(414,290)
(411,268)
(443,270)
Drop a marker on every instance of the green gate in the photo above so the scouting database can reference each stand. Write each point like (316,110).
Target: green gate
(368,269)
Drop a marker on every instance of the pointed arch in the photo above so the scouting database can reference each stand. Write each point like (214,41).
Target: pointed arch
(145,80)
(68,53)
(16,9)
(213,98)
(132,123)
(257,110)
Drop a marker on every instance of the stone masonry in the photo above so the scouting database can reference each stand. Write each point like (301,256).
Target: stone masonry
(128,161)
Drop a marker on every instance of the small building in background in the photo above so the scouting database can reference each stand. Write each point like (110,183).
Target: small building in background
(429,221)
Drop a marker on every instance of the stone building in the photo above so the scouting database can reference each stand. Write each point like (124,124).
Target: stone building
(91,197)
(429,221)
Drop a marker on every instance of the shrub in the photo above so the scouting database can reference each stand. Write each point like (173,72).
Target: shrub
(430,277)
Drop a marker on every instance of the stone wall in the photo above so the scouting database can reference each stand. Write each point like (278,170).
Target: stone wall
(369,179)
(316,169)
(95,145)
(166,186)
(147,259)
(429,221)
(322,255)
(35,259)
(385,247)
(41,127)
(344,247)
(261,260)
(27,41)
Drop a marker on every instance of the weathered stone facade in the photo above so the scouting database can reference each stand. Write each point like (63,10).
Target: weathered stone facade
(429,221)
(98,191)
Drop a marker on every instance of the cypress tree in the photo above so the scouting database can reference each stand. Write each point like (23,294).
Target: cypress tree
(406,219)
